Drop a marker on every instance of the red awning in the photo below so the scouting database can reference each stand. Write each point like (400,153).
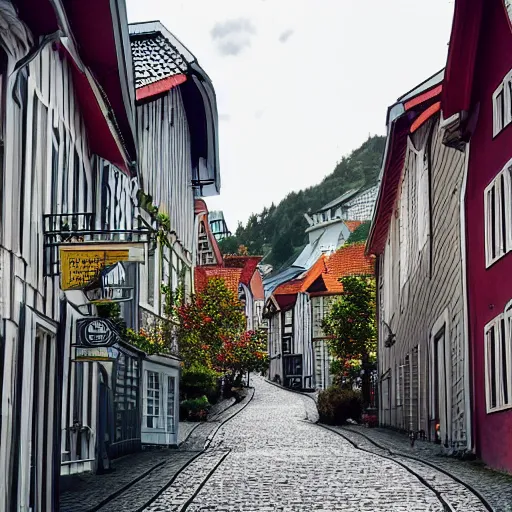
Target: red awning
(102,141)
(93,28)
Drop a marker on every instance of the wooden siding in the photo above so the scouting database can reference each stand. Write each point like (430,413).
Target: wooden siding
(46,169)
(274,344)
(322,357)
(432,285)
(165,162)
(302,337)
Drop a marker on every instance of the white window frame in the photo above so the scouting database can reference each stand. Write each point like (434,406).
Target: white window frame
(501,185)
(503,89)
(144,284)
(159,416)
(502,326)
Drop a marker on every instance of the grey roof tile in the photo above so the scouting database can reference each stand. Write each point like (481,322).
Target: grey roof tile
(155,58)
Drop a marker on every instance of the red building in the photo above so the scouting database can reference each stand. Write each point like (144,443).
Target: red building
(477,111)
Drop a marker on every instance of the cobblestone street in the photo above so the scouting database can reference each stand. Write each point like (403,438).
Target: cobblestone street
(267,454)
(270,457)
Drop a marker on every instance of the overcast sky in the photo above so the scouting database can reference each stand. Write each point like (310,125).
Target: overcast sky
(300,83)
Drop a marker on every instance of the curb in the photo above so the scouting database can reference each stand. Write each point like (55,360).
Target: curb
(303,393)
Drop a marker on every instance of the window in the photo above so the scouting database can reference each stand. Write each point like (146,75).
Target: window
(502,104)
(170,403)
(498,216)
(150,283)
(423,198)
(152,400)
(498,361)
(404,232)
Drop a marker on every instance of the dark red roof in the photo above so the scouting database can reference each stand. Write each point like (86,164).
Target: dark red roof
(248,264)
(462,51)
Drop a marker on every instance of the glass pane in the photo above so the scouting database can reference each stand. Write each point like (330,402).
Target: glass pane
(504,368)
(492,366)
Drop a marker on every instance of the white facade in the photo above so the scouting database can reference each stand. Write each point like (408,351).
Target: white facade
(160,400)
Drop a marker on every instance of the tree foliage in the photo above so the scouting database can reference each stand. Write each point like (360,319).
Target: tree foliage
(278,232)
(351,325)
(212,335)
(360,234)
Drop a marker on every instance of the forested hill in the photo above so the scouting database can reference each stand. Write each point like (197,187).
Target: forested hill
(278,231)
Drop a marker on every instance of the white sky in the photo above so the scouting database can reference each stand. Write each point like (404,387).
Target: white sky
(300,83)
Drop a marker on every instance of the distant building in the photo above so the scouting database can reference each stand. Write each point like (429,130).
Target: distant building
(218,225)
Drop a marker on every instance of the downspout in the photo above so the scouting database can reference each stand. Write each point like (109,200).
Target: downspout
(467,366)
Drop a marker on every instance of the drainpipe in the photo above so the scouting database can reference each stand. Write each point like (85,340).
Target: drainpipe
(470,445)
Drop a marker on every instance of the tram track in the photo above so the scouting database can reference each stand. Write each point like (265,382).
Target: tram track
(395,457)
(139,481)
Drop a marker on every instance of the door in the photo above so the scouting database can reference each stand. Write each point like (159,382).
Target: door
(37,432)
(439,389)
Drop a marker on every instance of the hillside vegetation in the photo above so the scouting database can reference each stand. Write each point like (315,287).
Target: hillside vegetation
(277,232)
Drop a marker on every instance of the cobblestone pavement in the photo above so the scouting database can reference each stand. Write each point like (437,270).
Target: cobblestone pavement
(270,458)
(495,488)
(87,491)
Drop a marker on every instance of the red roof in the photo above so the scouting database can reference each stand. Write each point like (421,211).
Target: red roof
(326,272)
(352,225)
(349,260)
(248,264)
(421,108)
(462,51)
(231,277)
(305,280)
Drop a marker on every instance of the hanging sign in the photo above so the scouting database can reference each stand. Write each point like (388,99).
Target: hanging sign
(96,354)
(81,264)
(96,332)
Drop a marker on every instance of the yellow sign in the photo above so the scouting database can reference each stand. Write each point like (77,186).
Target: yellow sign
(81,264)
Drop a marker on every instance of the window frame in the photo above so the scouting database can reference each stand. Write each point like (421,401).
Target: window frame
(498,223)
(504,109)
(502,326)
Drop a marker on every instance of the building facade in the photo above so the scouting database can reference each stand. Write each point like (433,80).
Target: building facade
(476,105)
(417,233)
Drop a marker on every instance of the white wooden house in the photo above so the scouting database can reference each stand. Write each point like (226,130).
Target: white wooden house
(56,126)
(298,347)
(416,235)
(178,161)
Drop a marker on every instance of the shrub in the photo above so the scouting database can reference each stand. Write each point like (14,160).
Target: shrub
(195,409)
(198,380)
(336,406)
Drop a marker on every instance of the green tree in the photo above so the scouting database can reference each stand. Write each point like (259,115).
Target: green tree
(360,234)
(229,245)
(351,325)
(211,316)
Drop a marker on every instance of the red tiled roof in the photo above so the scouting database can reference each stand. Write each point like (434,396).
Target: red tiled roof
(290,287)
(248,265)
(352,225)
(231,277)
(305,281)
(347,261)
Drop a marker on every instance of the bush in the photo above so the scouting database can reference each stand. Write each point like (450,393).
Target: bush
(195,409)
(198,381)
(336,406)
